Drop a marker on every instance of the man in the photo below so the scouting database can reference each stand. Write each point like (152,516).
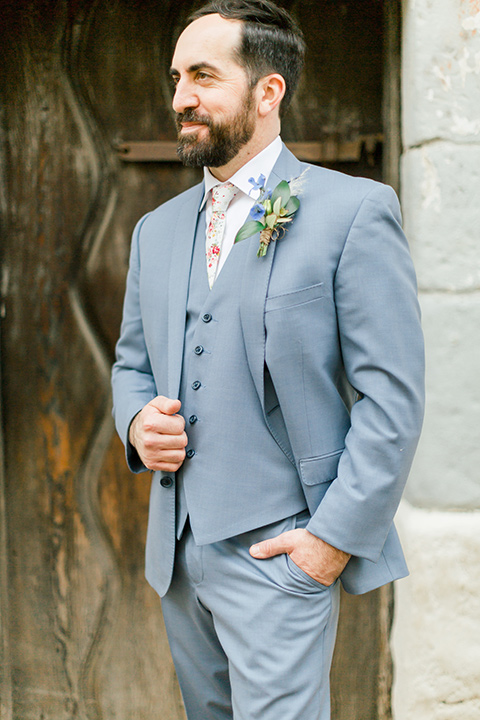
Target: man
(277,398)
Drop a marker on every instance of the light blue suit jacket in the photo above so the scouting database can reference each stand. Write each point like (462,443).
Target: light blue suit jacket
(332,311)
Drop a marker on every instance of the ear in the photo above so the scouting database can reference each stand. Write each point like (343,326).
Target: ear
(271,90)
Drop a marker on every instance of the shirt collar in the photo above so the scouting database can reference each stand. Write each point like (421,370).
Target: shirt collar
(261,164)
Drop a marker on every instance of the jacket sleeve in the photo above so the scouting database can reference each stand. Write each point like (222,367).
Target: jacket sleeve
(382,347)
(133,384)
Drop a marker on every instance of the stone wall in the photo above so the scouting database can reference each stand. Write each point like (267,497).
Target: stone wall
(436,636)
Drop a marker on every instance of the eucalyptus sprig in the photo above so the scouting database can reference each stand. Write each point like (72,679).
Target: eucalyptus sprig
(270,214)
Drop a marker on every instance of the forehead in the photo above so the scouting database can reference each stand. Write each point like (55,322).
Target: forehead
(210,39)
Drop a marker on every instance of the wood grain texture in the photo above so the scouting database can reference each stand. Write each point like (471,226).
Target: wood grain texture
(5,664)
(391,92)
(70,628)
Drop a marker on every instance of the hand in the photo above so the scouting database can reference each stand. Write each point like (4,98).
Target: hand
(321,561)
(158,434)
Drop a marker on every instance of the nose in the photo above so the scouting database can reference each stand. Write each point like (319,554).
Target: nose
(184,96)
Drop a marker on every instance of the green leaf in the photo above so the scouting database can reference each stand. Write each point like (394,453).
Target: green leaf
(292,205)
(252,227)
(277,206)
(281,191)
(271,220)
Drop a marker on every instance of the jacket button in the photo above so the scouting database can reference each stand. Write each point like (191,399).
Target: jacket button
(190,453)
(198,350)
(206,318)
(166,482)
(192,419)
(196,385)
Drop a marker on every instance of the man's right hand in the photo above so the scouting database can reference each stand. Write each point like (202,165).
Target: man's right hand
(158,434)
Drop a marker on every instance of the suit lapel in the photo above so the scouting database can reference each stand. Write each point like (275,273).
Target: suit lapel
(256,280)
(179,279)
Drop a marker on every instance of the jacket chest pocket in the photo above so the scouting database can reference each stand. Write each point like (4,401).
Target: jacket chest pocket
(295,298)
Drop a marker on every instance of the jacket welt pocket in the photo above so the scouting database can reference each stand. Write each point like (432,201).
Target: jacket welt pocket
(323,468)
(295,297)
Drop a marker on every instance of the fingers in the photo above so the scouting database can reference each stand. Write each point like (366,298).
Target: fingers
(153,440)
(321,561)
(164,421)
(166,405)
(158,434)
(158,458)
(160,416)
(283,543)
(166,461)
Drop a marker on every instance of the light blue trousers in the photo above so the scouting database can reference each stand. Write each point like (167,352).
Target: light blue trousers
(250,639)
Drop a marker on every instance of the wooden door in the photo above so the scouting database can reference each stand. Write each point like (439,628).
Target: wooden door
(81,632)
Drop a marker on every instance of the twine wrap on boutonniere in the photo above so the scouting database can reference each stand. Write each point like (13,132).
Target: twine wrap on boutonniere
(272,211)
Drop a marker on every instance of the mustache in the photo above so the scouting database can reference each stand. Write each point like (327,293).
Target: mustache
(191,116)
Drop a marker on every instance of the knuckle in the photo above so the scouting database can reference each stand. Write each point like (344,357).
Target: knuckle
(178,424)
(149,443)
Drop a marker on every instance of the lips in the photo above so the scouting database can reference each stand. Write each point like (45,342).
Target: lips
(190,120)
(188,127)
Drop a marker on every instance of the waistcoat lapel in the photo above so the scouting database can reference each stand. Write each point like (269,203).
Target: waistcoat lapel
(256,279)
(183,240)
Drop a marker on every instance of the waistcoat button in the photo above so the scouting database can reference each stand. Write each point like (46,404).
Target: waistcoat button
(206,318)
(166,482)
(198,350)
(192,419)
(190,453)
(196,385)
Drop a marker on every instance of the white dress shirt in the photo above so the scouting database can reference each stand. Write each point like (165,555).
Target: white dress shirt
(237,212)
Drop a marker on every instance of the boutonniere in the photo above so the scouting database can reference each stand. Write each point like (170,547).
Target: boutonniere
(272,211)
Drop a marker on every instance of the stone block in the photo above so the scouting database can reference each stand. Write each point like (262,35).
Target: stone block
(441,71)
(446,469)
(441,209)
(436,632)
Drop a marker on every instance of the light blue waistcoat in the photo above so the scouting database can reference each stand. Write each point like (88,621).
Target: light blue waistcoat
(228,437)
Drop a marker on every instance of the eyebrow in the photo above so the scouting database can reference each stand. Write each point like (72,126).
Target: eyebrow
(195,67)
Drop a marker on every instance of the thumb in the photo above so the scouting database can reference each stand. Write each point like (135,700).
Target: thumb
(165,405)
(273,546)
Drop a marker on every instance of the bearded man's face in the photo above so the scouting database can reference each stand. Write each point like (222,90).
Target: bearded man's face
(213,101)
(223,140)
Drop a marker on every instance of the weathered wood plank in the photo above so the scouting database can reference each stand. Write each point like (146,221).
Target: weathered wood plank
(5,664)
(330,150)
(391,93)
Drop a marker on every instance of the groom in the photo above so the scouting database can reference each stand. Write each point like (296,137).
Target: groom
(277,396)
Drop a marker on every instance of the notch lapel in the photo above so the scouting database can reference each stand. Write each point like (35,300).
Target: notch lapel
(179,279)
(256,279)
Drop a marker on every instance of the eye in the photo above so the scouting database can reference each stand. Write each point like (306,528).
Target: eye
(174,79)
(201,75)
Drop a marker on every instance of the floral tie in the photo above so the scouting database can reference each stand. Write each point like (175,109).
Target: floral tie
(222,195)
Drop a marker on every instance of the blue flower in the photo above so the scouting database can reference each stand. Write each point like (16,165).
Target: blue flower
(257,184)
(257,212)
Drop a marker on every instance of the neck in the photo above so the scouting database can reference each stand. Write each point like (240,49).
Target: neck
(245,154)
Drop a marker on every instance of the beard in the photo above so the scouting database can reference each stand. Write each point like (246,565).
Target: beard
(224,139)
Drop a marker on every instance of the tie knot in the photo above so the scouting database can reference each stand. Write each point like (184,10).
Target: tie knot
(222,195)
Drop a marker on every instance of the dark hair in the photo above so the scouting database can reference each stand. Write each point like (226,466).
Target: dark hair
(272,42)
